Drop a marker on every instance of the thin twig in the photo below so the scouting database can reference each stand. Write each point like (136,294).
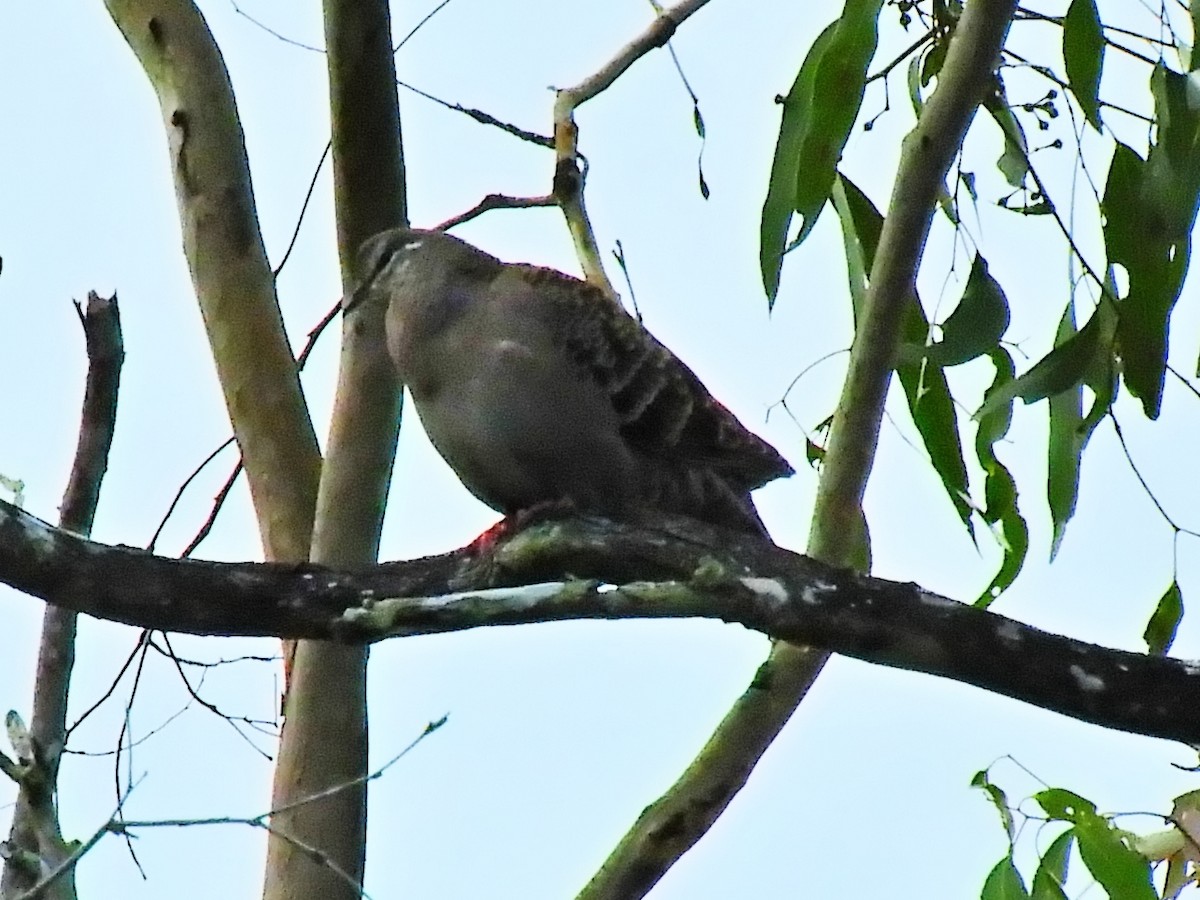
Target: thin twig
(424,21)
(223,494)
(194,693)
(120,826)
(315,333)
(111,689)
(122,746)
(312,185)
(67,866)
(271,31)
(483,118)
(619,256)
(179,493)
(1137,473)
(496,201)
(218,502)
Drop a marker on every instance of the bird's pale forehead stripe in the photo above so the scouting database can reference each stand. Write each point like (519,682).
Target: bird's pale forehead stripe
(412,245)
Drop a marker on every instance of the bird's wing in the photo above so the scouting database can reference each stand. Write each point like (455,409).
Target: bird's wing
(665,411)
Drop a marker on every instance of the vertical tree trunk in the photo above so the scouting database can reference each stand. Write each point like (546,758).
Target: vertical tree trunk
(324,742)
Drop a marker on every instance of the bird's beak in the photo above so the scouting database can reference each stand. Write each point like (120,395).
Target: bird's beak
(357,296)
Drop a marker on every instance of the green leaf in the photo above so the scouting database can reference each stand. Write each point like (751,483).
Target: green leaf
(838,88)
(977,323)
(814,453)
(932,62)
(698,121)
(1121,871)
(861,225)
(913,81)
(993,425)
(1173,169)
(933,412)
(1083,56)
(1160,630)
(1000,489)
(860,544)
(1149,209)
(781,187)
(1014,161)
(1063,805)
(818,115)
(1051,872)
(968,181)
(999,800)
(1062,368)
(1070,430)
(1134,239)
(925,386)
(1004,882)
(1194,11)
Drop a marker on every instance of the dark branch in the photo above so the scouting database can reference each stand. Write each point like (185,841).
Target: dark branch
(673,568)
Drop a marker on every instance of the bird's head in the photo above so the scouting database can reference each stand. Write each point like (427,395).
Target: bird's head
(392,260)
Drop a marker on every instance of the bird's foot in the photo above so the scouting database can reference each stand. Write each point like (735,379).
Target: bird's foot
(519,521)
(486,541)
(540,512)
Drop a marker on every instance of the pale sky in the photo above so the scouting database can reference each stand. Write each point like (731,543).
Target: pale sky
(558,735)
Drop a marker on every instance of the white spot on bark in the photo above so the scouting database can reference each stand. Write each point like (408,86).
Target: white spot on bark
(512,598)
(1087,682)
(42,540)
(768,589)
(929,598)
(1009,631)
(814,593)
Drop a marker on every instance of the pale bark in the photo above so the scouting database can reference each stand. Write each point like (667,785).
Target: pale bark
(324,740)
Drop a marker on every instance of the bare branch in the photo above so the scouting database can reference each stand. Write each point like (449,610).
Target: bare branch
(568,178)
(228,263)
(64,871)
(655,36)
(497,201)
(667,568)
(35,827)
(483,118)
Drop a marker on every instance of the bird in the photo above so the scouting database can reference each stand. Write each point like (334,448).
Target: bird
(538,388)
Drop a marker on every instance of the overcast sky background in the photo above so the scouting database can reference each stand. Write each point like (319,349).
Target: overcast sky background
(558,735)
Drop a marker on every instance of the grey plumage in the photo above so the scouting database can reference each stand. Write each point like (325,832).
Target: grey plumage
(538,387)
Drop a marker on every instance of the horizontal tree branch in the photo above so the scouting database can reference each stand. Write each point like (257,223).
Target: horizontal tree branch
(668,568)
